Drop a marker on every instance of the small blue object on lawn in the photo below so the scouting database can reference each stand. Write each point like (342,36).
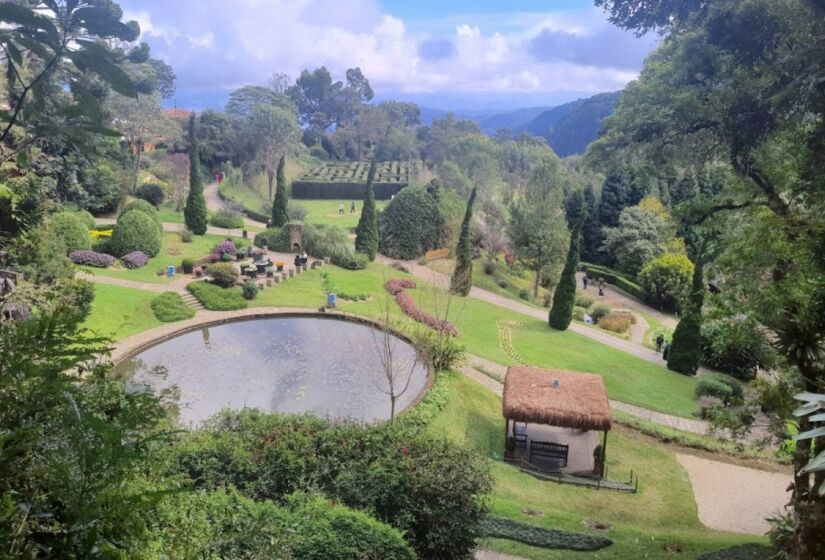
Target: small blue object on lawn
(170,271)
(331,300)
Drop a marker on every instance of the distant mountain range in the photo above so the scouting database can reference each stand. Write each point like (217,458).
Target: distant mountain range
(568,128)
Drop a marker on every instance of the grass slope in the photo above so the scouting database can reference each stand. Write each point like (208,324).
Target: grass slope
(120,312)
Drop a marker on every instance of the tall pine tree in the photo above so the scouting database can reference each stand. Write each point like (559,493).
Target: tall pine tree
(686,347)
(462,279)
(194,213)
(564,298)
(366,234)
(280,215)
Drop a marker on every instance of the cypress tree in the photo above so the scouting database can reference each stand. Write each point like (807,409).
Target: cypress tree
(686,347)
(194,213)
(280,215)
(462,279)
(564,298)
(366,234)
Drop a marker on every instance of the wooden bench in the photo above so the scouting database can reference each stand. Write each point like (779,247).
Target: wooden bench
(550,450)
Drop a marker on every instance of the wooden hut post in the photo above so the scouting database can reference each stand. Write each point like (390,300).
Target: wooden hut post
(604,452)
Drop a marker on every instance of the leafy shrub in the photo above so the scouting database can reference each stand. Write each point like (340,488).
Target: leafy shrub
(186,236)
(135,259)
(146,208)
(501,528)
(615,278)
(319,152)
(332,242)
(92,258)
(736,346)
(215,298)
(502,283)
(599,312)
(617,321)
(227,218)
(666,280)
(136,231)
(524,294)
(727,390)
(489,268)
(578,313)
(443,352)
(168,307)
(296,212)
(750,551)
(188,265)
(225,247)
(70,228)
(151,193)
(87,218)
(249,289)
(222,274)
(585,301)
(274,239)
(428,488)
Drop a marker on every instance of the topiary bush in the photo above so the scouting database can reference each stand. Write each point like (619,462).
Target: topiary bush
(227,218)
(501,528)
(71,229)
(135,259)
(146,208)
(87,218)
(666,280)
(564,298)
(168,307)
(215,298)
(135,231)
(92,258)
(188,265)
(151,193)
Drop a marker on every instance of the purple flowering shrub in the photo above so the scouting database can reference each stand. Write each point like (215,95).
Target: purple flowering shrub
(135,259)
(92,258)
(225,248)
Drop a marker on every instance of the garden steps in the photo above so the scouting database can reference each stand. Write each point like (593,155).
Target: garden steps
(192,301)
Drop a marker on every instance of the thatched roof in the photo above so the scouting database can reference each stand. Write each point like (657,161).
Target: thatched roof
(556,398)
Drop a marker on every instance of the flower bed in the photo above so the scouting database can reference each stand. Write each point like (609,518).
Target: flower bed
(135,259)
(92,258)
(409,307)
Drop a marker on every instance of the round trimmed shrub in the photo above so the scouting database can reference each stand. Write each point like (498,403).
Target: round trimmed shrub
(222,274)
(151,193)
(87,218)
(186,236)
(146,208)
(71,230)
(188,265)
(135,231)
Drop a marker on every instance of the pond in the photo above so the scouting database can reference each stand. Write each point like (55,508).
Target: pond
(325,366)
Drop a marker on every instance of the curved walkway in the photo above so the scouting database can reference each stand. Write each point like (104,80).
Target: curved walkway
(214,202)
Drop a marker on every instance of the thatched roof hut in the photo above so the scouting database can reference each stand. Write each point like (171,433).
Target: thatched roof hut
(557,398)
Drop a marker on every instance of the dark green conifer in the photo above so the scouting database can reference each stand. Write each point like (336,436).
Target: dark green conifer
(462,279)
(194,213)
(366,234)
(564,298)
(280,215)
(686,348)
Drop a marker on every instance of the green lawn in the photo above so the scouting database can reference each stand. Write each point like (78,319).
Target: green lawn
(326,211)
(120,312)
(172,252)
(168,215)
(663,512)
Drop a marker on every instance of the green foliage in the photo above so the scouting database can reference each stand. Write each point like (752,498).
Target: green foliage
(215,298)
(188,265)
(168,307)
(249,289)
(666,280)
(280,211)
(564,298)
(227,218)
(75,446)
(462,279)
(443,352)
(427,488)
(366,234)
(737,346)
(641,236)
(723,388)
(600,312)
(595,273)
(416,220)
(501,528)
(71,229)
(332,242)
(146,208)
(274,240)
(151,193)
(222,274)
(686,347)
(186,236)
(584,300)
(339,181)
(40,255)
(741,552)
(135,231)
(195,213)
(87,218)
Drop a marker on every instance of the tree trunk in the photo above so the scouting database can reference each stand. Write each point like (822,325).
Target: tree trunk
(270,178)
(138,153)
(536,283)
(392,408)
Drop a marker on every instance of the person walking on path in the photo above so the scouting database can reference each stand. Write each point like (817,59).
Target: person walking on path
(660,340)
(341,209)
(666,351)
(584,280)
(352,208)
(601,287)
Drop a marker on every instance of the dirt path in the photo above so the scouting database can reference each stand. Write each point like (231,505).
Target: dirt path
(619,299)
(214,202)
(734,498)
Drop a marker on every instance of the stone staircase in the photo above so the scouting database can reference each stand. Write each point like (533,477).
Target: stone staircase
(191,301)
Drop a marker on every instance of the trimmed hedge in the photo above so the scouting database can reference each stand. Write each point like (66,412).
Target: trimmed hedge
(92,258)
(168,307)
(146,208)
(501,528)
(223,274)
(87,218)
(136,231)
(336,191)
(594,272)
(750,551)
(727,390)
(215,298)
(71,229)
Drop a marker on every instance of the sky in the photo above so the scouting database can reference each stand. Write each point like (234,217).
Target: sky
(456,54)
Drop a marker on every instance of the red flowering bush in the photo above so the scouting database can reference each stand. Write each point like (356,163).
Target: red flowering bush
(411,310)
(395,285)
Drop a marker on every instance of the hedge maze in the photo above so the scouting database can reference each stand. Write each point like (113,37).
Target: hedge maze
(343,180)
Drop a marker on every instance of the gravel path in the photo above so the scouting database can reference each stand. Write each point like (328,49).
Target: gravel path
(215,202)
(734,498)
